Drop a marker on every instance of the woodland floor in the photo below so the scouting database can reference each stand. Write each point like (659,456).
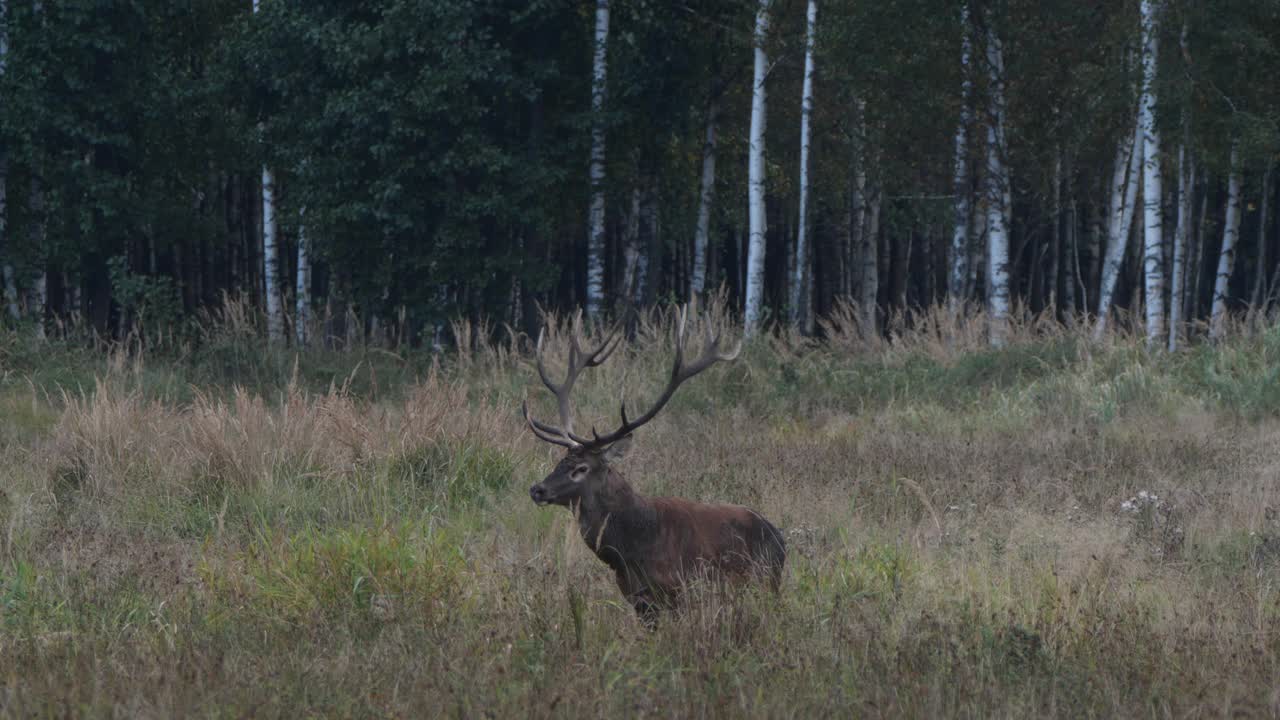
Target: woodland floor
(1055,529)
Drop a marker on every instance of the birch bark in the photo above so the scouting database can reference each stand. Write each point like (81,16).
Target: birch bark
(270,259)
(595,218)
(1181,232)
(1152,191)
(302,288)
(1124,192)
(960,250)
(706,194)
(756,178)
(801,279)
(1227,257)
(997,198)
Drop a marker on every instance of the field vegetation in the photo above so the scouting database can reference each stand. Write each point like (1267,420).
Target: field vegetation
(1054,529)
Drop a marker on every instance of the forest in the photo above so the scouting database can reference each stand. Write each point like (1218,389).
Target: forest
(378,169)
(972,306)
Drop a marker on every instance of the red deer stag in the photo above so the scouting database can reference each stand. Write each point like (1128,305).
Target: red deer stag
(653,544)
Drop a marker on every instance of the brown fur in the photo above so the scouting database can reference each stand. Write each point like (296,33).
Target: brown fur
(656,545)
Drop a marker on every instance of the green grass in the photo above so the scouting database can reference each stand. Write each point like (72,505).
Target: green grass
(225,530)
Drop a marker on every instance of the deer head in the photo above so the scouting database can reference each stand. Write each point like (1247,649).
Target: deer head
(586,459)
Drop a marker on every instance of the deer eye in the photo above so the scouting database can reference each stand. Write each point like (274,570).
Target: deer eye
(580,470)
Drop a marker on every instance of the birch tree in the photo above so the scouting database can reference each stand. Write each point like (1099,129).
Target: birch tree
(1152,226)
(302,289)
(998,200)
(706,193)
(1227,256)
(270,256)
(595,218)
(1181,235)
(957,279)
(756,177)
(802,278)
(1124,191)
(1259,293)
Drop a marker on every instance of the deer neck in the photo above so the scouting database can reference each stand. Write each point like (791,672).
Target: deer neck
(615,521)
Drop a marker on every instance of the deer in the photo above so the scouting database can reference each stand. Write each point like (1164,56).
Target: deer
(654,545)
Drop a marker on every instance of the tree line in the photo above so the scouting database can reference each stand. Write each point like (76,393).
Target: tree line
(419,160)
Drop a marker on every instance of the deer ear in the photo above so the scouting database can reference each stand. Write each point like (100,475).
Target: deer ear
(618,450)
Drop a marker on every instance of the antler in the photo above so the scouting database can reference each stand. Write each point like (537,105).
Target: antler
(711,354)
(578,361)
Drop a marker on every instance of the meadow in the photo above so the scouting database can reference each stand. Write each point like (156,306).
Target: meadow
(1060,528)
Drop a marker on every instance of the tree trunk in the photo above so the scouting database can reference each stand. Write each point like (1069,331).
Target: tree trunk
(270,260)
(1152,181)
(803,277)
(756,179)
(1055,235)
(631,251)
(1177,297)
(1196,259)
(1260,271)
(1227,257)
(649,274)
(706,193)
(1072,282)
(302,288)
(39,295)
(869,285)
(857,203)
(1124,192)
(960,243)
(11,293)
(998,194)
(596,216)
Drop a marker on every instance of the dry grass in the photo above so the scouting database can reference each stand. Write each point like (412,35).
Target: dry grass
(959,538)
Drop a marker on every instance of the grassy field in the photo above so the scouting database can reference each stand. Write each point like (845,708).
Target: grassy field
(1056,529)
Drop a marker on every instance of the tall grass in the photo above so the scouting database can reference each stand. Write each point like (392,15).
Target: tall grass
(1057,528)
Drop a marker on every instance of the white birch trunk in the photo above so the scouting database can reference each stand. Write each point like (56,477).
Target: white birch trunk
(706,193)
(1124,192)
(271,260)
(1180,235)
(756,179)
(801,279)
(1227,257)
(595,219)
(960,250)
(997,198)
(302,287)
(1152,190)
